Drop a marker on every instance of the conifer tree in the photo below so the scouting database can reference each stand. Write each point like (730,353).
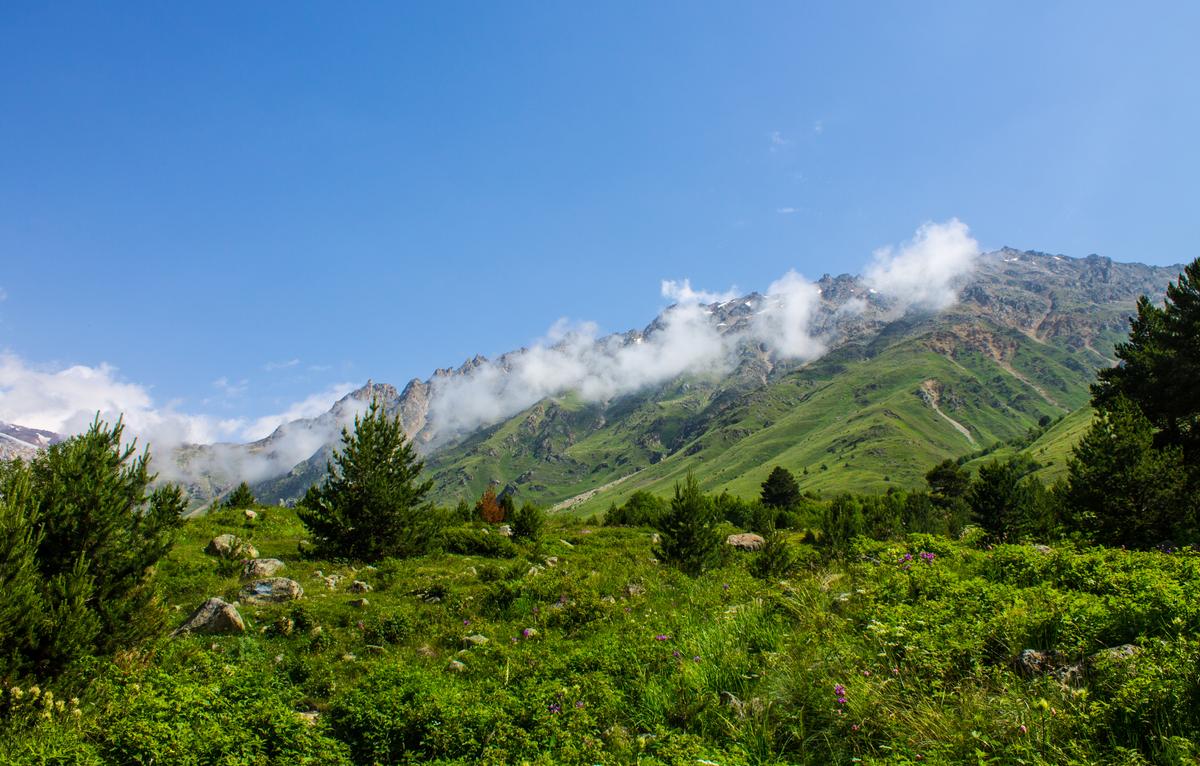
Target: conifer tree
(528,523)
(689,538)
(780,490)
(241,497)
(372,501)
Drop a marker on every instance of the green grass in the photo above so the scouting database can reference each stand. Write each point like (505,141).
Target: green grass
(723,668)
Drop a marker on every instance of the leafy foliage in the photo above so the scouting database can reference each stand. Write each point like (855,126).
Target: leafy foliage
(488,509)
(371,504)
(642,509)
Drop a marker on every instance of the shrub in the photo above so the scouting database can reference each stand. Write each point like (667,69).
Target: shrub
(241,497)
(477,542)
(642,509)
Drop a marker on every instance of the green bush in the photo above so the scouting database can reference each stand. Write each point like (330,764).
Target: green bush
(477,542)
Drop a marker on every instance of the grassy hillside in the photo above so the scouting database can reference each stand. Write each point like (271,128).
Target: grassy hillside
(1051,449)
(595,653)
(863,418)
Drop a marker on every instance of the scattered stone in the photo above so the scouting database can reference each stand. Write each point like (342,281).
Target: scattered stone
(360,603)
(472,571)
(747,541)
(213,616)
(505,530)
(427,651)
(567,544)
(456,667)
(284,626)
(374,649)
(533,570)
(347,657)
(229,546)
(1043,549)
(1114,654)
(608,600)
(256,569)
(552,561)
(358,586)
(476,640)
(271,590)
(655,538)
(633,589)
(250,515)
(332,581)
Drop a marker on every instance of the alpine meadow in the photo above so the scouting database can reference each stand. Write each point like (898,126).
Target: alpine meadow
(938,505)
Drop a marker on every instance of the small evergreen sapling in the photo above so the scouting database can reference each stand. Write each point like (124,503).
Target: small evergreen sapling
(528,523)
(372,502)
(689,537)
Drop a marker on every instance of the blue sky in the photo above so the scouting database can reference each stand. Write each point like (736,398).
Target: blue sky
(236,207)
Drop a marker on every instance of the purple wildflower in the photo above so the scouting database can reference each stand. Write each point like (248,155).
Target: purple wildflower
(527,633)
(696,658)
(677,654)
(662,637)
(554,707)
(578,704)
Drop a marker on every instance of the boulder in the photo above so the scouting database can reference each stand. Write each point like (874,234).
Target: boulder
(229,546)
(747,541)
(358,586)
(213,616)
(271,590)
(250,515)
(634,589)
(475,640)
(505,530)
(552,561)
(256,569)
(360,603)
(456,667)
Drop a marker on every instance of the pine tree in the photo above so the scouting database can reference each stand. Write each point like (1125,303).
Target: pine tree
(1160,366)
(241,497)
(1006,503)
(82,516)
(372,501)
(780,490)
(1121,490)
(528,523)
(689,538)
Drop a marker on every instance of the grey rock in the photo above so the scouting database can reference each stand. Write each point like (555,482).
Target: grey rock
(229,546)
(475,640)
(358,586)
(747,541)
(258,568)
(456,667)
(360,603)
(271,590)
(213,616)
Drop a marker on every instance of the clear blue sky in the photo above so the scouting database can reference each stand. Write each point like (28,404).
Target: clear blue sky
(199,192)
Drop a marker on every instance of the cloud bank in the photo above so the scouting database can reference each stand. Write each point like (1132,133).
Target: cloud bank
(923,273)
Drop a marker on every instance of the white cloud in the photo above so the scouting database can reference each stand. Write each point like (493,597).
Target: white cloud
(786,321)
(778,141)
(309,407)
(273,366)
(927,271)
(3,295)
(682,293)
(228,388)
(787,210)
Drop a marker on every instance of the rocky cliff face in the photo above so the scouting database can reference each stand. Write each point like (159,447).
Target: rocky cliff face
(21,442)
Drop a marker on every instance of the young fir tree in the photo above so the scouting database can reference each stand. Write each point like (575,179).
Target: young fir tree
(780,490)
(689,538)
(372,501)
(1008,503)
(241,497)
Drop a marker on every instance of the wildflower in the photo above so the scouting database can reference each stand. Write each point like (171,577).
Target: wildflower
(16,692)
(578,704)
(662,637)
(466,622)
(514,639)
(677,654)
(535,610)
(895,671)
(554,707)
(839,690)
(1023,729)
(906,557)
(76,712)
(35,692)
(696,658)
(60,706)
(725,586)
(866,673)
(527,633)
(854,727)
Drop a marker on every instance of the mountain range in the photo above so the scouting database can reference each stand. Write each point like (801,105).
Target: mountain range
(883,391)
